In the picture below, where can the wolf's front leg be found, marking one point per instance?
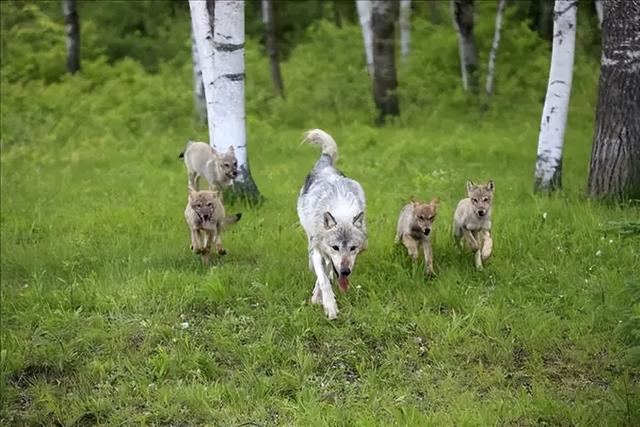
(196, 245)
(471, 239)
(316, 296)
(218, 239)
(487, 245)
(328, 298)
(428, 257)
(411, 245)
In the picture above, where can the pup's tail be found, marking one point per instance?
(181, 156)
(320, 138)
(231, 219)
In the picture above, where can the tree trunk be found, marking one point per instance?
(385, 82)
(337, 18)
(546, 19)
(599, 11)
(269, 20)
(198, 85)
(463, 21)
(614, 171)
(229, 128)
(405, 27)
(548, 175)
(494, 47)
(72, 25)
(364, 15)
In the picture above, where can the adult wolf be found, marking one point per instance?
(331, 211)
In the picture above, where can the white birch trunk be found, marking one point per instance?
(364, 14)
(405, 27)
(556, 105)
(494, 47)
(198, 84)
(599, 11)
(204, 45)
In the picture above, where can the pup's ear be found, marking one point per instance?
(358, 220)
(214, 151)
(192, 192)
(470, 185)
(490, 185)
(329, 220)
(231, 150)
(435, 202)
(413, 200)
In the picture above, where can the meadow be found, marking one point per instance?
(109, 319)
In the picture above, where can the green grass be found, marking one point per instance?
(107, 318)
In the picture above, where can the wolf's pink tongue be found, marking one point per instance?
(343, 283)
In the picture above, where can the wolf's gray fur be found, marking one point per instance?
(202, 160)
(331, 211)
(472, 220)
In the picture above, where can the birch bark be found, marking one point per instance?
(494, 47)
(364, 15)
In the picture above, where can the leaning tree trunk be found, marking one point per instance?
(364, 15)
(548, 175)
(385, 82)
(463, 21)
(599, 11)
(198, 84)
(405, 27)
(494, 47)
(269, 21)
(72, 25)
(229, 128)
(614, 171)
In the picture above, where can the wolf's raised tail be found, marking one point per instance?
(181, 156)
(322, 139)
(231, 219)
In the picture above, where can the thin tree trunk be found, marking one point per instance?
(228, 124)
(405, 27)
(614, 171)
(337, 18)
(364, 15)
(463, 21)
(546, 19)
(385, 82)
(198, 84)
(599, 11)
(269, 21)
(494, 47)
(72, 26)
(548, 175)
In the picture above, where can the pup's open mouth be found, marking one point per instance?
(343, 281)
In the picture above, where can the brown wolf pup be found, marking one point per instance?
(472, 220)
(206, 219)
(414, 230)
(201, 160)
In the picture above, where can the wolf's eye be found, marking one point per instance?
(199, 205)
(352, 248)
(226, 164)
(485, 199)
(209, 204)
(475, 200)
(420, 217)
(335, 248)
(235, 163)
(431, 218)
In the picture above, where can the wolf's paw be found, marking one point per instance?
(316, 297)
(222, 251)
(331, 312)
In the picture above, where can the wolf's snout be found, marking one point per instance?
(427, 231)
(482, 212)
(345, 271)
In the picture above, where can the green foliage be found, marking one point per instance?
(107, 318)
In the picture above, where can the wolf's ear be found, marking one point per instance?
(231, 149)
(413, 200)
(192, 192)
(213, 150)
(470, 185)
(329, 220)
(435, 202)
(490, 185)
(358, 220)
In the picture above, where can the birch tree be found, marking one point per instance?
(269, 21)
(599, 11)
(491, 70)
(405, 27)
(614, 171)
(72, 27)
(198, 84)
(222, 62)
(364, 15)
(385, 81)
(548, 175)
(463, 22)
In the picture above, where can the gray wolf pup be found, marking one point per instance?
(414, 230)
(331, 211)
(472, 220)
(202, 160)
(206, 219)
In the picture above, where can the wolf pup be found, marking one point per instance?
(206, 219)
(202, 160)
(472, 220)
(331, 211)
(414, 230)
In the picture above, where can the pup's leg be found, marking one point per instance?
(316, 296)
(478, 250)
(411, 245)
(196, 245)
(205, 256)
(471, 240)
(328, 298)
(428, 257)
(487, 245)
(219, 249)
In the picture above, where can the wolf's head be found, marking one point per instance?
(204, 204)
(481, 197)
(423, 216)
(342, 242)
(228, 164)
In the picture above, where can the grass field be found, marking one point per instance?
(108, 319)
